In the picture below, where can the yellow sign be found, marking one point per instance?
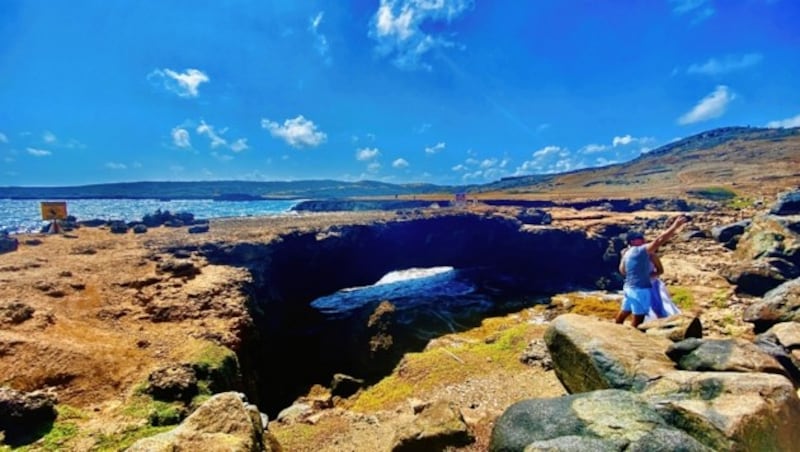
(54, 210)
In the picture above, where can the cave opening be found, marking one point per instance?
(302, 335)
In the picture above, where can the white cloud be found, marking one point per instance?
(320, 40)
(298, 132)
(710, 107)
(785, 123)
(547, 150)
(374, 167)
(208, 130)
(49, 137)
(183, 84)
(622, 141)
(727, 64)
(488, 163)
(116, 166)
(593, 148)
(221, 157)
(39, 152)
(438, 147)
(398, 28)
(180, 138)
(699, 9)
(367, 154)
(400, 163)
(239, 145)
(459, 168)
(3, 138)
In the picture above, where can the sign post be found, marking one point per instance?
(54, 211)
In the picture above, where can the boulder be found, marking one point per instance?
(788, 203)
(198, 229)
(118, 227)
(759, 276)
(769, 237)
(675, 328)
(611, 419)
(590, 354)
(23, 414)
(735, 355)
(174, 382)
(781, 304)
(732, 411)
(438, 426)
(782, 342)
(8, 243)
(725, 233)
(223, 423)
(14, 312)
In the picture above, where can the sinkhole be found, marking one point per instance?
(354, 299)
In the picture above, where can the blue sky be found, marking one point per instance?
(438, 91)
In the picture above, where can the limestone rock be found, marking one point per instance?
(788, 203)
(757, 277)
(22, 413)
(781, 304)
(224, 423)
(8, 243)
(782, 342)
(730, 410)
(436, 427)
(675, 328)
(590, 354)
(735, 355)
(174, 382)
(605, 420)
(725, 233)
(14, 312)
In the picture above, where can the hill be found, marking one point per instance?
(732, 160)
(747, 160)
(223, 190)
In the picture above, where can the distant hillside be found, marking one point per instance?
(747, 160)
(223, 190)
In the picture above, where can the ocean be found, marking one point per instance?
(24, 215)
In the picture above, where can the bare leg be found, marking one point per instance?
(637, 319)
(621, 316)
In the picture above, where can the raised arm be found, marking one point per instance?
(664, 237)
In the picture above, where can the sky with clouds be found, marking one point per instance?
(437, 91)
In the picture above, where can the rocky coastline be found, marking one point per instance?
(108, 339)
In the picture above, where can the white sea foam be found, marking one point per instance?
(407, 284)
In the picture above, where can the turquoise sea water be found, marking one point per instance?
(24, 215)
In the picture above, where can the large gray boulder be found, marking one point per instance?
(590, 354)
(788, 203)
(735, 355)
(781, 304)
(224, 423)
(730, 411)
(675, 328)
(782, 342)
(612, 420)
